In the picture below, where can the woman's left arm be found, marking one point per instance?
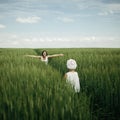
(55, 55)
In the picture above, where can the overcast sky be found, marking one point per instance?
(59, 23)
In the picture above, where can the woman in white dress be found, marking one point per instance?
(44, 56)
(72, 76)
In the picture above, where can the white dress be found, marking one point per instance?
(73, 79)
(44, 60)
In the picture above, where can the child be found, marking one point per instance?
(72, 75)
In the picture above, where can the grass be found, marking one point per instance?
(31, 90)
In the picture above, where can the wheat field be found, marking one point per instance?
(31, 90)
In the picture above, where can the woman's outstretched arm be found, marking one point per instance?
(33, 56)
(55, 55)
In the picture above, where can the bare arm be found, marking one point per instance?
(65, 76)
(33, 56)
(55, 55)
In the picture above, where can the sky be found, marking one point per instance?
(59, 23)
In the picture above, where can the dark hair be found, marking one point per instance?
(43, 52)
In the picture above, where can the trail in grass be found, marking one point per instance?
(53, 66)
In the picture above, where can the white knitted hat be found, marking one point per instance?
(71, 64)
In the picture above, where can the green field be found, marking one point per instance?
(31, 90)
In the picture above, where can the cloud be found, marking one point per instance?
(109, 9)
(28, 19)
(32, 41)
(114, 7)
(2, 26)
(65, 19)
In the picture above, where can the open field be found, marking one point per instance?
(31, 90)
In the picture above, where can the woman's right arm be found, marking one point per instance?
(33, 56)
(65, 76)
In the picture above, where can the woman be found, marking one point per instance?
(44, 56)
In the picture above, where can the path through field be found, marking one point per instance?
(31, 90)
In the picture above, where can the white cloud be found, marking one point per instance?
(28, 19)
(105, 13)
(65, 19)
(90, 38)
(113, 7)
(110, 9)
(2, 26)
(32, 41)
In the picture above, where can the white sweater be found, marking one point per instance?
(73, 79)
